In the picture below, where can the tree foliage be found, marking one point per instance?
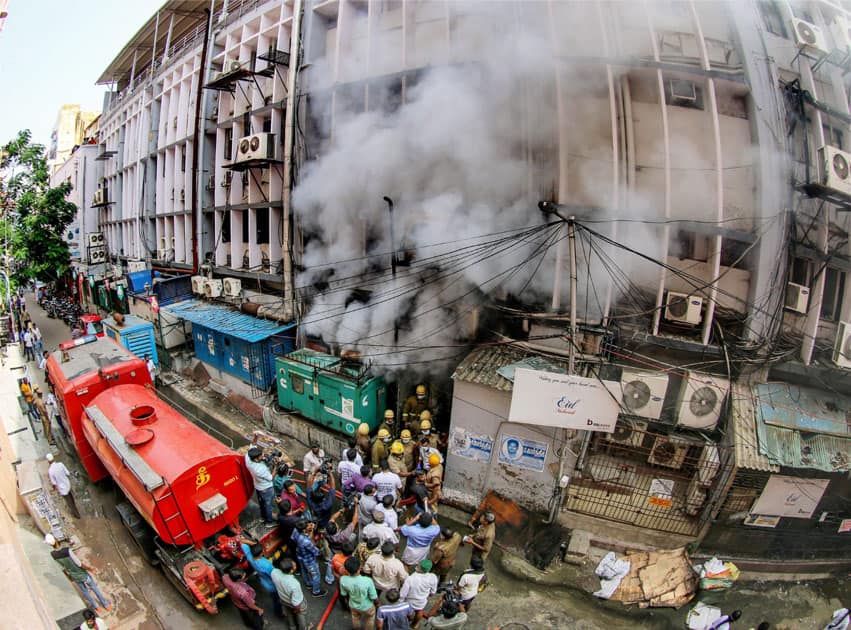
(37, 213)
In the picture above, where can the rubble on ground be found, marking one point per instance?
(657, 579)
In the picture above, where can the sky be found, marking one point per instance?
(53, 51)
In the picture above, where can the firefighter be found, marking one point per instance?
(414, 406)
(362, 441)
(416, 425)
(425, 431)
(409, 455)
(389, 422)
(397, 460)
(379, 448)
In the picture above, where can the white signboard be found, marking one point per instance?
(792, 497)
(559, 400)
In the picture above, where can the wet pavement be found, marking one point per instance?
(145, 600)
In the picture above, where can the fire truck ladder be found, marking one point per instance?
(177, 515)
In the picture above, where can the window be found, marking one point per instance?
(773, 18)
(262, 226)
(683, 93)
(228, 145)
(832, 136)
(834, 289)
(297, 383)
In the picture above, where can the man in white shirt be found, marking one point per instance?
(386, 482)
(60, 478)
(418, 587)
(379, 529)
(352, 443)
(262, 482)
(313, 459)
(29, 345)
(348, 466)
(391, 518)
(91, 620)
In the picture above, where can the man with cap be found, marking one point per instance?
(482, 538)
(262, 482)
(78, 572)
(379, 529)
(409, 448)
(444, 550)
(362, 441)
(41, 409)
(389, 422)
(427, 431)
(418, 587)
(434, 479)
(60, 478)
(313, 458)
(386, 569)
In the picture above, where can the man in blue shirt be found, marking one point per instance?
(307, 553)
(263, 567)
(262, 482)
(420, 530)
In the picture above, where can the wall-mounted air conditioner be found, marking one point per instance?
(232, 287)
(809, 38)
(835, 169)
(797, 297)
(841, 29)
(708, 464)
(212, 288)
(669, 452)
(683, 308)
(701, 400)
(95, 239)
(842, 347)
(198, 284)
(627, 433)
(97, 198)
(643, 394)
(260, 146)
(97, 255)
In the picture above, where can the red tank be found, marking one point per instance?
(186, 484)
(81, 372)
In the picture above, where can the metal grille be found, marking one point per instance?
(646, 479)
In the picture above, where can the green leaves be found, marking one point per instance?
(35, 214)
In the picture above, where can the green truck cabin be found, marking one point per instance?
(331, 391)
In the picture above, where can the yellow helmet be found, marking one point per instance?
(396, 448)
(383, 434)
(433, 459)
(425, 416)
(389, 415)
(405, 435)
(420, 390)
(425, 425)
(363, 429)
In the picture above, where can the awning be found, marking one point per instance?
(226, 320)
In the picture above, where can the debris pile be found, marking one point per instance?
(656, 579)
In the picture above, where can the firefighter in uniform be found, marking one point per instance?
(397, 460)
(379, 448)
(409, 450)
(425, 431)
(414, 406)
(362, 441)
(389, 422)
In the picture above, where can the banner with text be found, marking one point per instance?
(559, 400)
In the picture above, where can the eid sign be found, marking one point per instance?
(561, 400)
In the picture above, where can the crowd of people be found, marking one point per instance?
(378, 542)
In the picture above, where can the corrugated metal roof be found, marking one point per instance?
(481, 365)
(780, 405)
(226, 320)
(745, 436)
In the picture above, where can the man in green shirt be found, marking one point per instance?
(288, 589)
(359, 592)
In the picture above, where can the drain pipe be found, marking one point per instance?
(198, 136)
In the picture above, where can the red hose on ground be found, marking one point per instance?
(328, 610)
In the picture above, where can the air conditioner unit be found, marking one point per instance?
(680, 307)
(643, 394)
(234, 65)
(212, 288)
(708, 465)
(260, 146)
(695, 497)
(232, 287)
(97, 256)
(669, 452)
(809, 38)
(95, 239)
(841, 29)
(135, 265)
(97, 199)
(627, 433)
(797, 297)
(842, 347)
(835, 169)
(701, 400)
(198, 284)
